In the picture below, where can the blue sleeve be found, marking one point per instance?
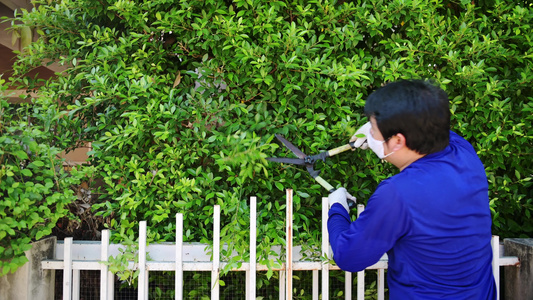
(459, 141)
(360, 244)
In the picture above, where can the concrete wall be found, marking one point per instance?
(31, 282)
(519, 279)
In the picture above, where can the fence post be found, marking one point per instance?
(67, 269)
(289, 245)
(495, 243)
(178, 283)
(75, 284)
(106, 277)
(281, 284)
(348, 285)
(381, 284)
(142, 289)
(215, 272)
(315, 285)
(325, 249)
(360, 274)
(253, 244)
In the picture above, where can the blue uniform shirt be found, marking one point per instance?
(433, 221)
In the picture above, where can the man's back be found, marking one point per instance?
(446, 249)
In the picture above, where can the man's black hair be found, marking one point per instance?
(415, 108)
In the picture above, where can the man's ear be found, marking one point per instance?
(398, 142)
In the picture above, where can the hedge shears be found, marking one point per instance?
(309, 161)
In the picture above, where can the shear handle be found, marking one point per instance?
(311, 159)
(331, 189)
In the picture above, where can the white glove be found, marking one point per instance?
(341, 196)
(360, 142)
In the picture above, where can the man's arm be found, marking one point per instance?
(357, 245)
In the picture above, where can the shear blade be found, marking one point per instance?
(294, 161)
(291, 147)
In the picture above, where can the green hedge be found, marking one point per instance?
(181, 100)
(35, 191)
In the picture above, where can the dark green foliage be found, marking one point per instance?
(181, 100)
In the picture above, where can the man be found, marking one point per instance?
(432, 218)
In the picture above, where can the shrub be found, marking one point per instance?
(35, 191)
(181, 100)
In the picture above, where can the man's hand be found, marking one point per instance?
(341, 196)
(359, 138)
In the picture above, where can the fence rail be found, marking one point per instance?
(72, 257)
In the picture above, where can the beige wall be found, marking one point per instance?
(77, 156)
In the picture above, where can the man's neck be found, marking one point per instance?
(409, 160)
(404, 157)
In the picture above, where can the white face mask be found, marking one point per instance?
(376, 146)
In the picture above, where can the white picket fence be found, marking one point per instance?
(72, 257)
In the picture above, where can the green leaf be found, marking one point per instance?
(21, 154)
(39, 235)
(26, 36)
(302, 194)
(37, 163)
(26, 172)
